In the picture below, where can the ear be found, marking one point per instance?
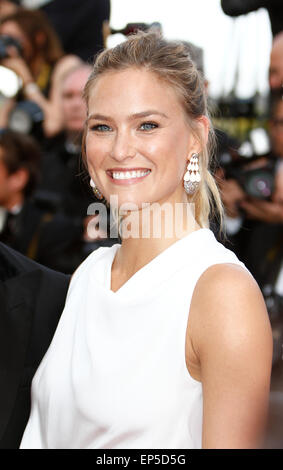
(19, 180)
(201, 134)
(204, 128)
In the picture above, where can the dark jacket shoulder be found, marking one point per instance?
(32, 298)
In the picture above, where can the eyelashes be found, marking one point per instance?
(101, 128)
(149, 126)
(145, 126)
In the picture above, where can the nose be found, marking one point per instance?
(77, 102)
(122, 147)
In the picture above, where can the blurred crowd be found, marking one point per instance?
(251, 182)
(44, 187)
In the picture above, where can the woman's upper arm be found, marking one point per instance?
(233, 341)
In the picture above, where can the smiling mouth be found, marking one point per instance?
(128, 174)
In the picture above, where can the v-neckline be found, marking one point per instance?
(169, 250)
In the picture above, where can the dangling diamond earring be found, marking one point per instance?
(192, 176)
(96, 191)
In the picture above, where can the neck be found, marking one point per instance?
(149, 231)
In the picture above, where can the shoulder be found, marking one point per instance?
(233, 342)
(223, 280)
(96, 259)
(14, 263)
(221, 275)
(229, 310)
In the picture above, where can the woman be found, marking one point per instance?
(164, 341)
(40, 65)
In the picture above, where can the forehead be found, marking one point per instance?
(134, 88)
(76, 79)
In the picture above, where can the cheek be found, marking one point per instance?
(159, 150)
(66, 109)
(95, 153)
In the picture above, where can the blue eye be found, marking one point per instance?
(148, 126)
(101, 128)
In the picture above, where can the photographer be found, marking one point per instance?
(31, 48)
(28, 226)
(61, 175)
(270, 211)
(256, 219)
(276, 64)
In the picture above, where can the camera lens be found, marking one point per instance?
(259, 184)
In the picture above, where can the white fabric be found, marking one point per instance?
(115, 374)
(232, 224)
(3, 215)
(34, 4)
(278, 289)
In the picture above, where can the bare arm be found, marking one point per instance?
(233, 341)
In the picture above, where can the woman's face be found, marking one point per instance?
(11, 28)
(138, 139)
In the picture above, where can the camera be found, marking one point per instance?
(27, 117)
(132, 28)
(6, 42)
(255, 181)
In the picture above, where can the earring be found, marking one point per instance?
(192, 176)
(96, 191)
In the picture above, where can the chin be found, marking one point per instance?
(126, 203)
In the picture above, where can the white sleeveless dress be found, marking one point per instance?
(115, 376)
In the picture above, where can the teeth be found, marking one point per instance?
(123, 175)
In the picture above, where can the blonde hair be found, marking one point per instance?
(171, 62)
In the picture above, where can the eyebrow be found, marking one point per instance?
(143, 114)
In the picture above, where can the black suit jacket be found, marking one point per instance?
(32, 299)
(51, 239)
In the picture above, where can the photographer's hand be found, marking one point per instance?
(5, 110)
(270, 212)
(16, 63)
(52, 123)
(51, 106)
(232, 194)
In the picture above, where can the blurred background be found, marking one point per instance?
(47, 208)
